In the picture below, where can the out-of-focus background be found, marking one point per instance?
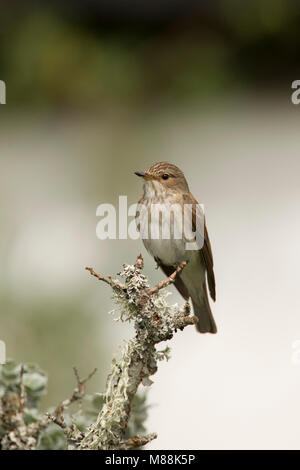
(98, 89)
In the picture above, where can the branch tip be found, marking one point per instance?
(170, 280)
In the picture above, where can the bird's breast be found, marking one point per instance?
(161, 228)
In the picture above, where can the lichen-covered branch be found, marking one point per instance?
(78, 392)
(20, 429)
(23, 427)
(154, 322)
(165, 282)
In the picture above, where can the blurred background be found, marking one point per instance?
(98, 89)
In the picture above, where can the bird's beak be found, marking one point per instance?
(143, 175)
(140, 173)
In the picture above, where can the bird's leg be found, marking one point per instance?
(180, 263)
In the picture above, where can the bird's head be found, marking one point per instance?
(165, 175)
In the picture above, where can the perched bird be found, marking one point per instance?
(165, 187)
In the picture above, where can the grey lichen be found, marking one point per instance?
(22, 426)
(154, 321)
(21, 387)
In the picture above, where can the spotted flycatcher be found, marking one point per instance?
(161, 218)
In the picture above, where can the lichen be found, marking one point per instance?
(153, 321)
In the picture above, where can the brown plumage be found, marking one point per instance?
(165, 184)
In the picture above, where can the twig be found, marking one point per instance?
(23, 395)
(138, 441)
(139, 264)
(54, 419)
(72, 433)
(170, 280)
(114, 283)
(78, 392)
(101, 278)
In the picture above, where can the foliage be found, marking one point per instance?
(215, 51)
(82, 413)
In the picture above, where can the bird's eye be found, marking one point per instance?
(165, 176)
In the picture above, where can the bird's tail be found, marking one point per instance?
(205, 320)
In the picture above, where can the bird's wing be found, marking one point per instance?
(206, 253)
(205, 249)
